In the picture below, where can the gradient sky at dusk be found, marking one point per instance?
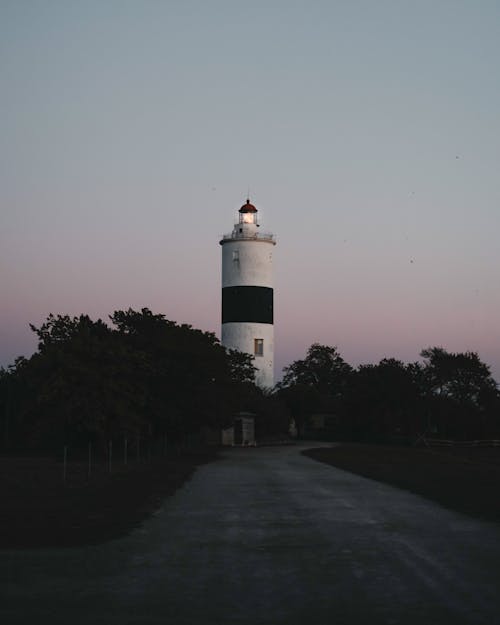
(367, 131)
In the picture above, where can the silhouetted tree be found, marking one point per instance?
(83, 380)
(192, 380)
(382, 401)
(450, 394)
(459, 389)
(317, 383)
(323, 369)
(459, 376)
(147, 375)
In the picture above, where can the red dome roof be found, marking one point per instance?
(248, 208)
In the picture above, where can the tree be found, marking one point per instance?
(459, 376)
(192, 379)
(241, 367)
(315, 384)
(459, 390)
(382, 401)
(147, 375)
(322, 369)
(84, 383)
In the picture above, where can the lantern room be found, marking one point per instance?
(248, 213)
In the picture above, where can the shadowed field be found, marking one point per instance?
(462, 479)
(39, 510)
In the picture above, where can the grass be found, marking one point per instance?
(39, 510)
(465, 480)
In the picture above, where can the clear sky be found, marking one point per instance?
(367, 131)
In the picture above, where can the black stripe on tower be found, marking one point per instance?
(247, 303)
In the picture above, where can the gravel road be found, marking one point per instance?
(269, 536)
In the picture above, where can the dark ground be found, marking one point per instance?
(39, 510)
(267, 536)
(463, 479)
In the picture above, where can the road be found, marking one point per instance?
(267, 536)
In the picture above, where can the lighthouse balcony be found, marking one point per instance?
(248, 236)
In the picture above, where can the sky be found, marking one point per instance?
(366, 132)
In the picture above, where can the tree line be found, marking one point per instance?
(141, 376)
(144, 376)
(447, 395)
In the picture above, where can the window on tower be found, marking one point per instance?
(258, 347)
(248, 218)
(236, 255)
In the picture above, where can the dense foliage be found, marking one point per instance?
(145, 375)
(449, 395)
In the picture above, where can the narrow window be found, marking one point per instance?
(236, 256)
(258, 347)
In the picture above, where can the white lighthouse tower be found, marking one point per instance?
(247, 293)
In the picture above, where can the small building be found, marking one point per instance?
(241, 433)
(227, 436)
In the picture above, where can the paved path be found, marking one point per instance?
(269, 536)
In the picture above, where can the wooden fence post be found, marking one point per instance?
(65, 459)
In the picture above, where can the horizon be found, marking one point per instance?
(108, 321)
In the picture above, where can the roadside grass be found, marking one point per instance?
(39, 510)
(466, 480)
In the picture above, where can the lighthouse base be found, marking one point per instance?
(256, 339)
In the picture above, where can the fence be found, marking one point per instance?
(117, 455)
(437, 442)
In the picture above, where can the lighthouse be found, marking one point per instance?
(247, 293)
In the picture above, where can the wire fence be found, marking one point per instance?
(115, 456)
(438, 442)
